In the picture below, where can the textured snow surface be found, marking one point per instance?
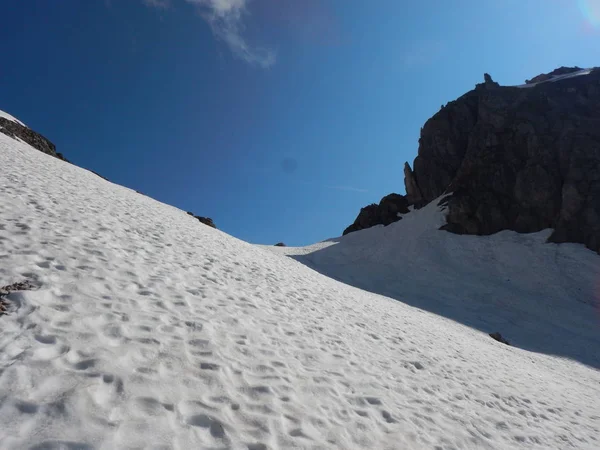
(9, 117)
(542, 297)
(150, 330)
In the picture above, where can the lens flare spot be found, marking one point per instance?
(591, 11)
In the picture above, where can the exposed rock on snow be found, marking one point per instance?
(498, 337)
(5, 290)
(386, 212)
(21, 286)
(205, 220)
(17, 130)
(517, 159)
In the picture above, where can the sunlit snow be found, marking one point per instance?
(150, 330)
(558, 78)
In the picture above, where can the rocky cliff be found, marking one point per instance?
(521, 158)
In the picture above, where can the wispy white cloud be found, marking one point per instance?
(226, 19)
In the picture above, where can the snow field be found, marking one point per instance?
(150, 330)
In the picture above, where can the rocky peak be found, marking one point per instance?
(517, 158)
(488, 82)
(522, 158)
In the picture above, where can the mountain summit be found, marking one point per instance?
(522, 158)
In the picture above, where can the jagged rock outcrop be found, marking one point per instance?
(205, 220)
(489, 82)
(516, 158)
(555, 73)
(17, 131)
(384, 213)
(413, 193)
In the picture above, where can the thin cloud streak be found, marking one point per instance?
(226, 20)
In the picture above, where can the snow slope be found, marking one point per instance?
(543, 297)
(559, 77)
(150, 330)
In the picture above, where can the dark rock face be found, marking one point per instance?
(17, 131)
(488, 81)
(385, 213)
(390, 206)
(413, 193)
(522, 159)
(205, 220)
(280, 244)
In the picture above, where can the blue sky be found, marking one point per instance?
(277, 118)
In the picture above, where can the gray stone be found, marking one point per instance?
(521, 159)
(413, 193)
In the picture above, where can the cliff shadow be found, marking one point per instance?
(542, 297)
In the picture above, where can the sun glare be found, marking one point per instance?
(591, 11)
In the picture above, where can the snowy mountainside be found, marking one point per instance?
(543, 297)
(7, 116)
(150, 330)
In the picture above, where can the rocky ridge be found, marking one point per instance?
(18, 131)
(14, 129)
(520, 158)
